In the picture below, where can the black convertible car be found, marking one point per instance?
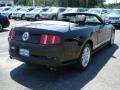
(55, 43)
(4, 22)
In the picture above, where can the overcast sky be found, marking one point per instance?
(112, 1)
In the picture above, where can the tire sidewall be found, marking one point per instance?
(37, 17)
(10, 16)
(80, 58)
(23, 17)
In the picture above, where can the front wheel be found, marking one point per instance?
(85, 57)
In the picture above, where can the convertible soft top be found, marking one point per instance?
(85, 13)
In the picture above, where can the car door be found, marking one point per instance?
(99, 30)
(101, 34)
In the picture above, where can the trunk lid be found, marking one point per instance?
(37, 29)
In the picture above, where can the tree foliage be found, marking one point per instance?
(114, 5)
(65, 3)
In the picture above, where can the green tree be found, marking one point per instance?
(64, 3)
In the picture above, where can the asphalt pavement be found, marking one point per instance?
(103, 72)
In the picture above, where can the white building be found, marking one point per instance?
(6, 2)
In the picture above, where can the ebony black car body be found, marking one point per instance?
(56, 43)
(4, 22)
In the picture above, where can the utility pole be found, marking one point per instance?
(44, 2)
(67, 3)
(86, 4)
(33, 2)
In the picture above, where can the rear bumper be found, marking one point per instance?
(45, 61)
(49, 56)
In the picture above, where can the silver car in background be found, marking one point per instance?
(73, 10)
(21, 13)
(2, 9)
(52, 13)
(9, 12)
(99, 11)
(35, 13)
(114, 17)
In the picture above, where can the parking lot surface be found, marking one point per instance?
(102, 74)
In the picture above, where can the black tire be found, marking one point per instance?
(83, 64)
(23, 17)
(112, 39)
(37, 18)
(10, 16)
(54, 18)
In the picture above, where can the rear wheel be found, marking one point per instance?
(37, 18)
(85, 57)
(10, 16)
(23, 17)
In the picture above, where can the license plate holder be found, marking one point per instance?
(24, 52)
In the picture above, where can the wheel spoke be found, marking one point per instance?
(85, 56)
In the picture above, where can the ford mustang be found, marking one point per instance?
(71, 40)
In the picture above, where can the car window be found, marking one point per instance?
(80, 10)
(18, 9)
(89, 19)
(62, 10)
(23, 9)
(97, 11)
(115, 12)
(53, 9)
(6, 9)
(30, 9)
(92, 19)
(73, 10)
(104, 11)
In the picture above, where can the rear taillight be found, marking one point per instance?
(50, 39)
(12, 34)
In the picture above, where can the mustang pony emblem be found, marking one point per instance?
(25, 36)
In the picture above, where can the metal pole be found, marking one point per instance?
(33, 2)
(86, 3)
(44, 2)
(67, 3)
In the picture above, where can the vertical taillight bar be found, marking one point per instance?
(50, 39)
